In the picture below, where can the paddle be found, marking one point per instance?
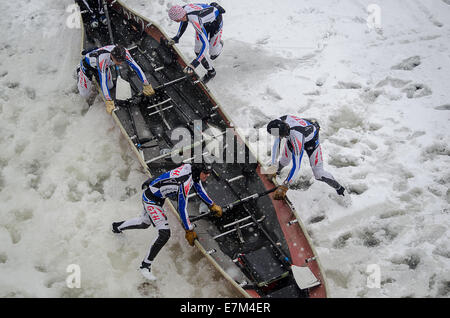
(234, 204)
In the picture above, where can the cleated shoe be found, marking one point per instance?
(146, 271)
(115, 227)
(209, 76)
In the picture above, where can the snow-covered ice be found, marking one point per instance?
(380, 93)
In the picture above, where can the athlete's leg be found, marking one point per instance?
(84, 85)
(159, 220)
(316, 162)
(141, 222)
(206, 62)
(216, 45)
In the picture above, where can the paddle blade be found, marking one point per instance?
(123, 89)
(304, 277)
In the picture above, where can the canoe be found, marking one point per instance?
(259, 245)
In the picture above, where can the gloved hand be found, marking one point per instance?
(188, 69)
(110, 106)
(148, 90)
(173, 40)
(216, 209)
(280, 193)
(191, 236)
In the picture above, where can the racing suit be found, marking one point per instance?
(304, 135)
(174, 184)
(208, 22)
(98, 63)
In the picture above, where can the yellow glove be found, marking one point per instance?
(191, 236)
(280, 193)
(110, 106)
(216, 209)
(148, 90)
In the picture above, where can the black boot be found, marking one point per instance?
(209, 76)
(340, 191)
(115, 227)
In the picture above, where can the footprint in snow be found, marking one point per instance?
(148, 288)
(443, 107)
(408, 64)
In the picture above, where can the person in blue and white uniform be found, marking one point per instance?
(208, 23)
(301, 134)
(98, 63)
(174, 184)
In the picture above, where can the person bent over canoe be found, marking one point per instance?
(98, 63)
(301, 134)
(207, 22)
(174, 184)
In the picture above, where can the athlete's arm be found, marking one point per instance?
(182, 204)
(102, 75)
(201, 192)
(132, 63)
(276, 150)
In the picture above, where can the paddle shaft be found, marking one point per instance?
(111, 37)
(234, 204)
(105, 8)
(251, 197)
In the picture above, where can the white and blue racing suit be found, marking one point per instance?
(175, 184)
(304, 135)
(99, 61)
(207, 22)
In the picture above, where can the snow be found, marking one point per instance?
(381, 97)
